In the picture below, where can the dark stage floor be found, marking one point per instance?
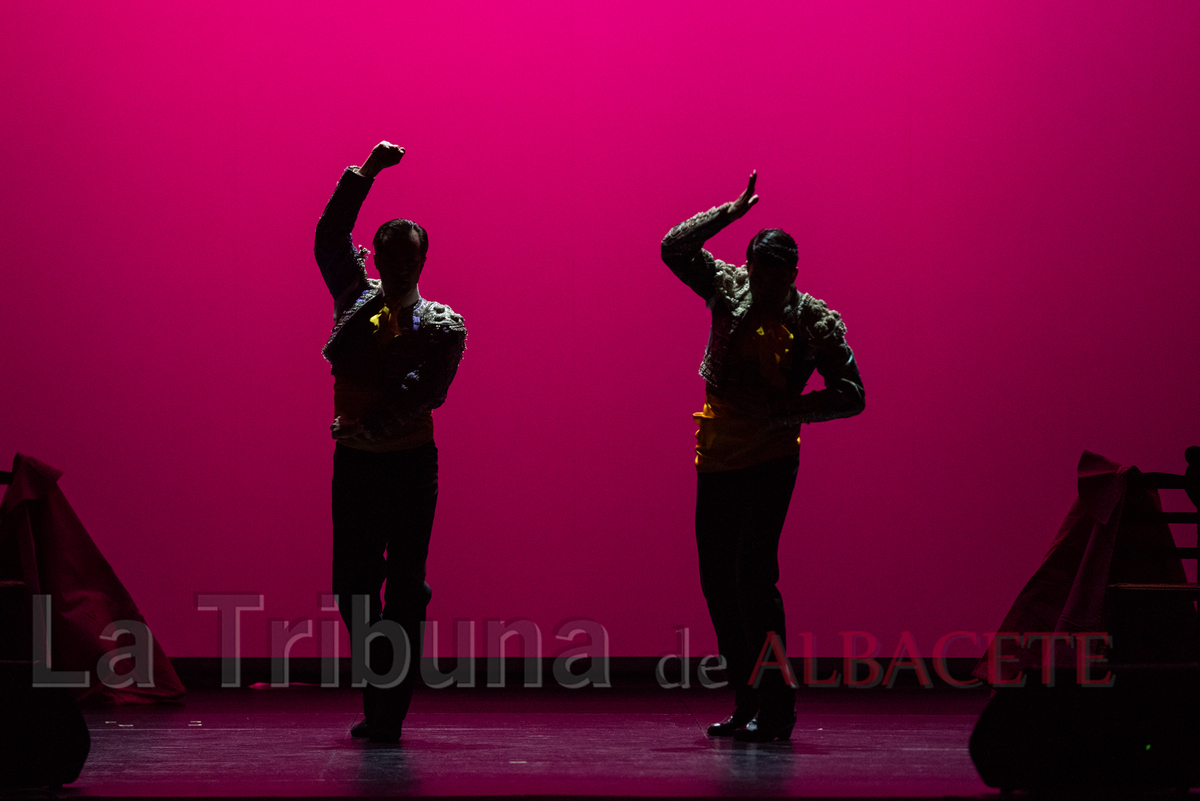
(520, 742)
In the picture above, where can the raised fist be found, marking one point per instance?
(385, 154)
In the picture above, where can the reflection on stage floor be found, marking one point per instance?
(640, 742)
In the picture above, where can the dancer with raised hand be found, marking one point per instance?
(393, 355)
(767, 339)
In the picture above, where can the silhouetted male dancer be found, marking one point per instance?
(394, 355)
(766, 339)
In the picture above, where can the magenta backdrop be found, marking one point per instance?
(1002, 199)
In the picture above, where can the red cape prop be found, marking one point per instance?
(57, 557)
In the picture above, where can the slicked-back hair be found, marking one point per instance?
(773, 246)
(393, 229)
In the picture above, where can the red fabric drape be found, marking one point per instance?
(55, 556)
(1105, 539)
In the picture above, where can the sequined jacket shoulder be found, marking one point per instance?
(821, 334)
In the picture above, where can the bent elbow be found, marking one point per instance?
(851, 401)
(667, 254)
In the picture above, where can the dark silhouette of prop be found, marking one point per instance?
(1138, 595)
(44, 544)
(1113, 570)
(43, 738)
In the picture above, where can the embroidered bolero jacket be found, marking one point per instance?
(820, 335)
(415, 369)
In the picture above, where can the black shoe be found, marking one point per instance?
(766, 730)
(384, 734)
(375, 734)
(740, 717)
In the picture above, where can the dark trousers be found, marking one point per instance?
(739, 517)
(383, 506)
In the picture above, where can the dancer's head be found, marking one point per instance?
(400, 248)
(771, 259)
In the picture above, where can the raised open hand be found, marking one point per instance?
(747, 199)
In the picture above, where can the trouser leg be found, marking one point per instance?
(719, 504)
(360, 522)
(739, 518)
(383, 510)
(406, 594)
(760, 602)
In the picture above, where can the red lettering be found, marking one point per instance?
(939, 658)
(1083, 658)
(775, 646)
(909, 647)
(810, 665)
(851, 659)
(995, 659)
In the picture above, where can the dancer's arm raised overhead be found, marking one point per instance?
(683, 246)
(343, 266)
